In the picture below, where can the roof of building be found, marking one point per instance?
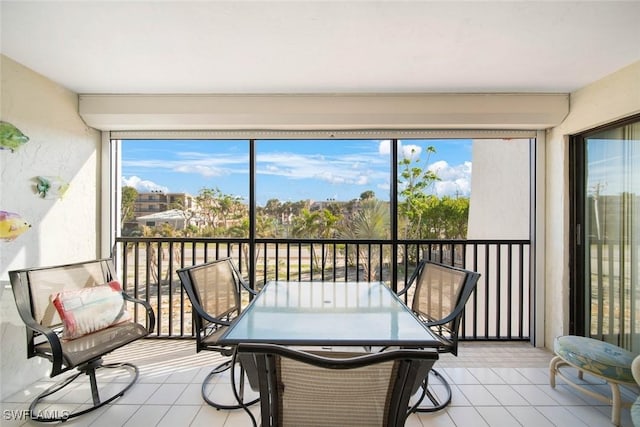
(171, 214)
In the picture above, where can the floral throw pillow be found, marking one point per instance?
(90, 309)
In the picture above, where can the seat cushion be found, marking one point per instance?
(596, 357)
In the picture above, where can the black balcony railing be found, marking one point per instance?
(499, 308)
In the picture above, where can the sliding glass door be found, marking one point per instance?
(606, 275)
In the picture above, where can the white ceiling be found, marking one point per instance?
(321, 46)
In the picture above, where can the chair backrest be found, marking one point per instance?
(299, 388)
(440, 295)
(213, 287)
(214, 291)
(34, 288)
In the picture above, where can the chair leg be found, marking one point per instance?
(437, 403)
(224, 366)
(53, 415)
(616, 403)
(95, 394)
(239, 394)
(553, 368)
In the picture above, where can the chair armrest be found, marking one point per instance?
(54, 341)
(242, 282)
(151, 317)
(246, 287)
(23, 305)
(445, 320)
(412, 278)
(405, 289)
(210, 319)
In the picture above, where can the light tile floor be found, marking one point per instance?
(494, 384)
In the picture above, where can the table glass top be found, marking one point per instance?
(328, 313)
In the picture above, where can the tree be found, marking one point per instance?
(188, 214)
(307, 224)
(228, 207)
(366, 195)
(272, 208)
(208, 206)
(321, 224)
(447, 218)
(370, 222)
(128, 204)
(219, 211)
(423, 215)
(415, 183)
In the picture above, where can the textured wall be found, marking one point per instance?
(62, 230)
(499, 206)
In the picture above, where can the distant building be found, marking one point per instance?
(156, 208)
(157, 201)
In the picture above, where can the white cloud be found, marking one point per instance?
(384, 186)
(384, 148)
(339, 170)
(454, 180)
(362, 180)
(204, 170)
(329, 177)
(142, 185)
(191, 163)
(410, 151)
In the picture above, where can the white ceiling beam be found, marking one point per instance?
(323, 112)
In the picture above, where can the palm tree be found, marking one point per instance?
(370, 222)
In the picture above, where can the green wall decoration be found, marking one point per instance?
(11, 138)
(51, 187)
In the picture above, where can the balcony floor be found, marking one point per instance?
(494, 384)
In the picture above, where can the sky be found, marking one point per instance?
(289, 170)
(612, 166)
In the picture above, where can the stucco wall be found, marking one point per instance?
(499, 206)
(62, 230)
(612, 98)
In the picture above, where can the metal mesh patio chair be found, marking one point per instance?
(303, 388)
(215, 291)
(75, 314)
(440, 293)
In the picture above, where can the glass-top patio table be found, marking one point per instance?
(328, 314)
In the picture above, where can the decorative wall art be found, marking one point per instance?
(11, 138)
(51, 187)
(11, 226)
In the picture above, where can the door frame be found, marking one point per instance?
(577, 182)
